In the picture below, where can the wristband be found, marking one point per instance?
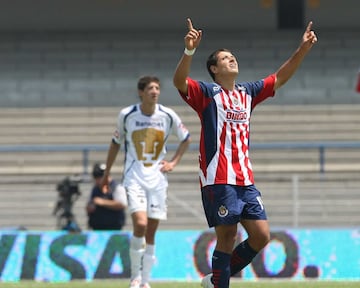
(189, 52)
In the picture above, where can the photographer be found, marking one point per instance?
(106, 211)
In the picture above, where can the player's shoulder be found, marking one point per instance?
(209, 88)
(257, 84)
(250, 87)
(168, 111)
(129, 109)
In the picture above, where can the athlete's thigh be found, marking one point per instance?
(137, 200)
(157, 203)
(221, 204)
(254, 208)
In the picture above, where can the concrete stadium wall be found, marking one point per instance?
(165, 14)
(90, 52)
(57, 69)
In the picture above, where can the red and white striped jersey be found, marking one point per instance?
(225, 128)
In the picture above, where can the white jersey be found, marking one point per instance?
(145, 139)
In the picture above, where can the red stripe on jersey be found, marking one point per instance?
(222, 167)
(244, 99)
(235, 155)
(223, 95)
(245, 148)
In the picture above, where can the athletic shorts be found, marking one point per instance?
(153, 201)
(228, 204)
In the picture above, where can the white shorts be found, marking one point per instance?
(153, 201)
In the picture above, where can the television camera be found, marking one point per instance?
(68, 192)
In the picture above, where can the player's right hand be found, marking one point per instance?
(193, 37)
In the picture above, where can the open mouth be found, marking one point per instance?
(233, 66)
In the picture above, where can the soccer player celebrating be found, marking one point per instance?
(145, 128)
(228, 192)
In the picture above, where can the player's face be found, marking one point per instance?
(151, 93)
(226, 64)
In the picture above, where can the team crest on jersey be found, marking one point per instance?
(223, 211)
(235, 101)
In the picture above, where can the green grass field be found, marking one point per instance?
(235, 284)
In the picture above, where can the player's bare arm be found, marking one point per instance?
(168, 166)
(192, 40)
(286, 70)
(111, 156)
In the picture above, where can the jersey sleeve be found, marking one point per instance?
(119, 131)
(197, 96)
(179, 129)
(262, 89)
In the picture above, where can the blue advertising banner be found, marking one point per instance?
(181, 255)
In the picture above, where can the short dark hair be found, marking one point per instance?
(212, 60)
(146, 80)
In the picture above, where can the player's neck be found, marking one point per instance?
(228, 84)
(147, 109)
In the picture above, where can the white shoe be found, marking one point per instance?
(146, 285)
(135, 283)
(206, 281)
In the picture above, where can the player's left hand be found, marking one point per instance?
(309, 37)
(166, 166)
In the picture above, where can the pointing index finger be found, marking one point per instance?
(308, 28)
(189, 24)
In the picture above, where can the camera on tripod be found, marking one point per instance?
(68, 192)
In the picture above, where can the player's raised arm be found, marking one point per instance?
(286, 70)
(192, 40)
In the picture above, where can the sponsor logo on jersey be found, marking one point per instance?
(216, 88)
(236, 115)
(223, 211)
(149, 124)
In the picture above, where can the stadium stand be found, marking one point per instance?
(28, 185)
(54, 87)
(70, 69)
